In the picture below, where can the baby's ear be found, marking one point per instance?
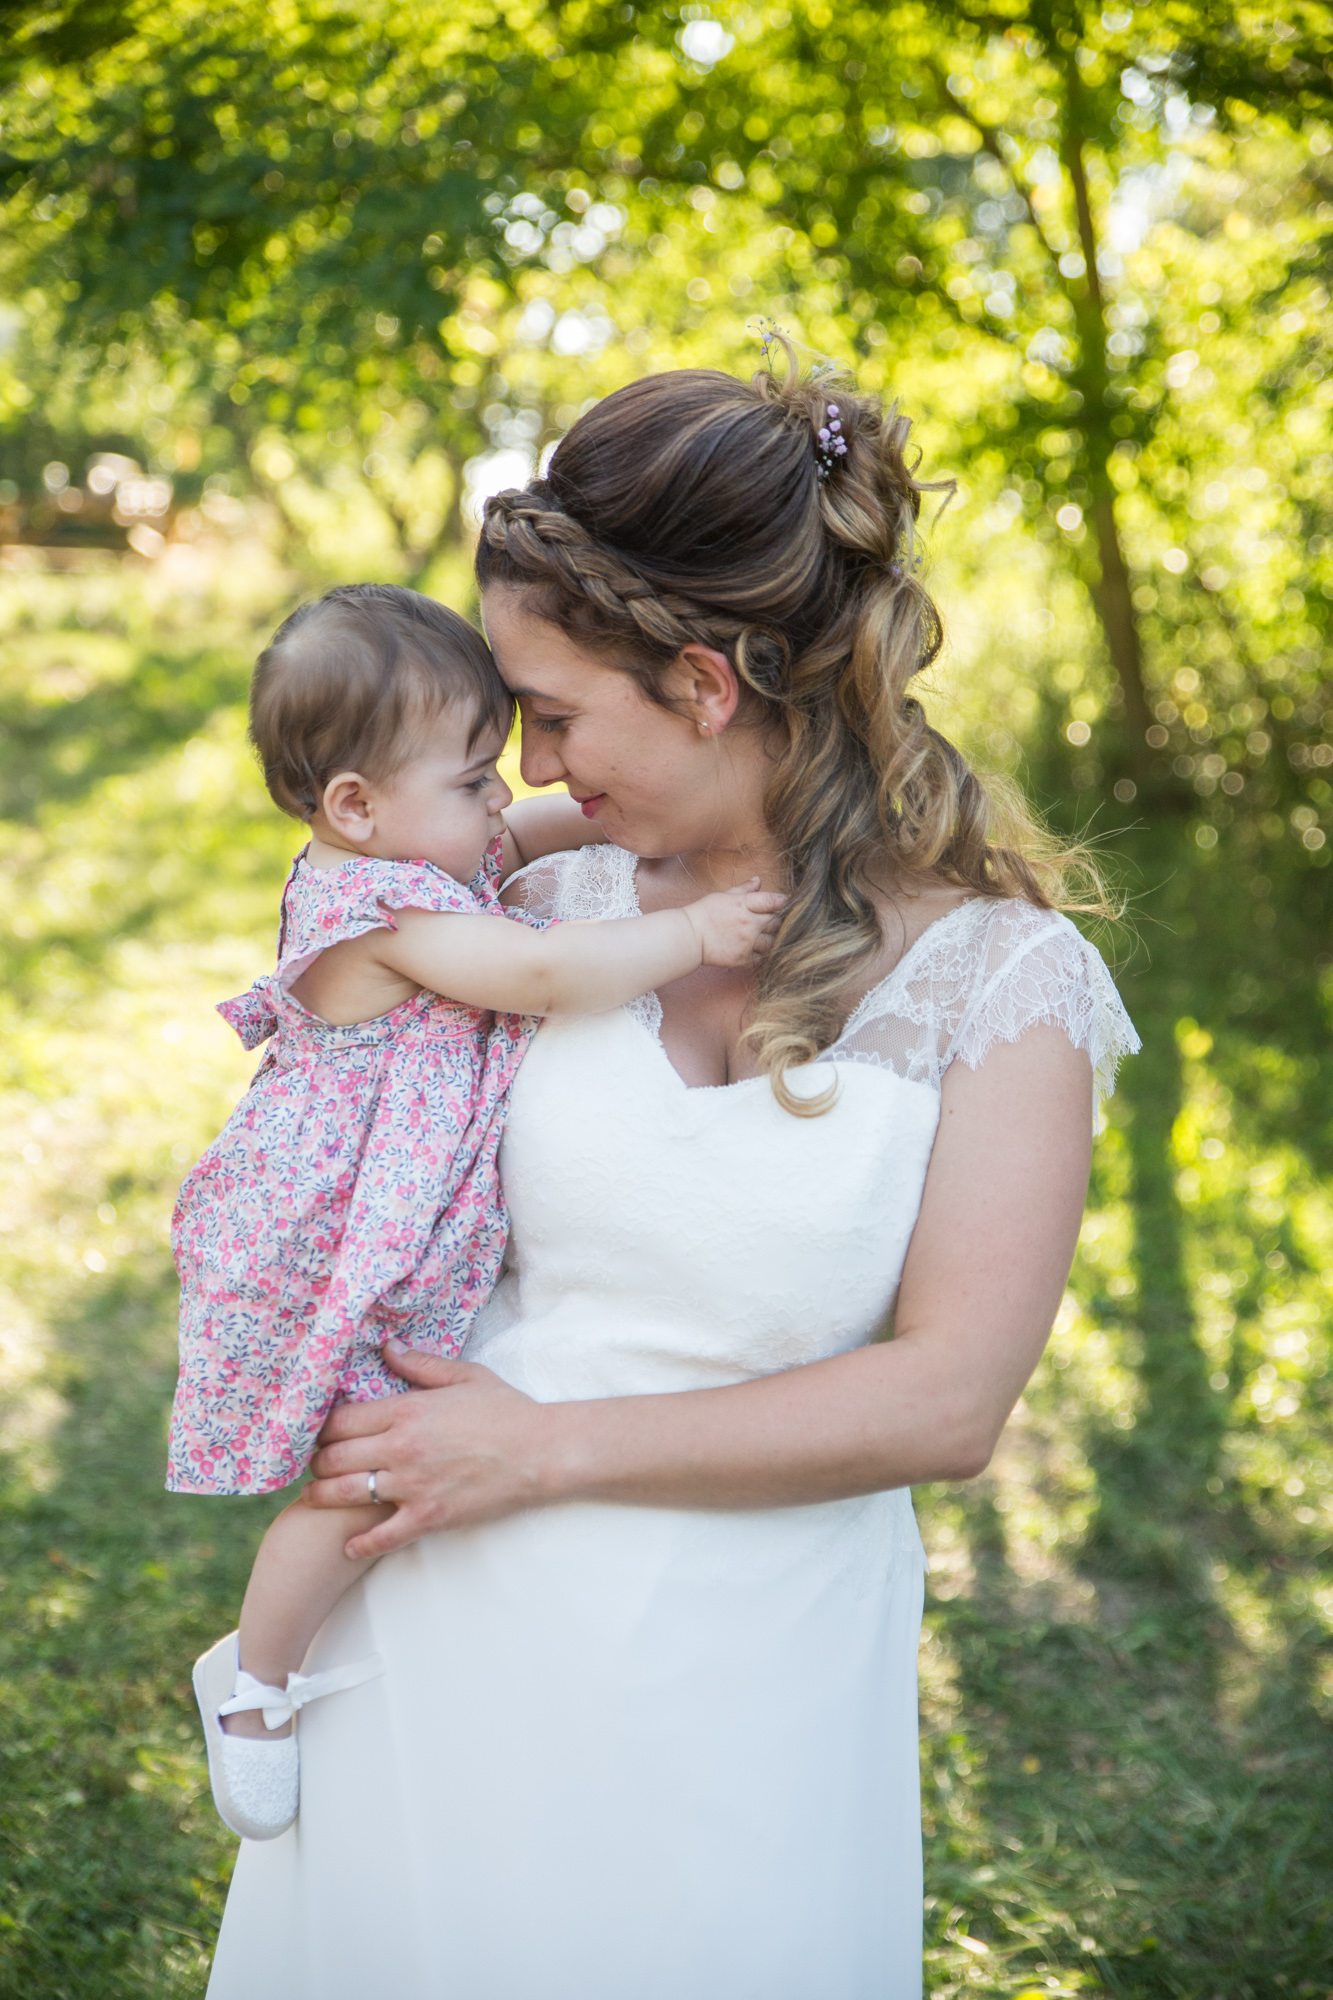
(348, 806)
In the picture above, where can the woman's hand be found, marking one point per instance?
(464, 1448)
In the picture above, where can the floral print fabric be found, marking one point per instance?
(352, 1195)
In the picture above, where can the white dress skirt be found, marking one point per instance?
(626, 1753)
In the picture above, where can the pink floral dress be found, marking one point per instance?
(352, 1195)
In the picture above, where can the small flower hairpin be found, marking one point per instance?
(769, 330)
(832, 444)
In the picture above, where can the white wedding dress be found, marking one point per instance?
(627, 1753)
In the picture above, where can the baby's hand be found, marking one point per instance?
(736, 924)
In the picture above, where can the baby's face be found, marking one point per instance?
(444, 805)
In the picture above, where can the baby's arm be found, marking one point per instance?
(577, 968)
(545, 825)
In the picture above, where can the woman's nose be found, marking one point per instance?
(539, 762)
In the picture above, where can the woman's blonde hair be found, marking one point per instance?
(693, 508)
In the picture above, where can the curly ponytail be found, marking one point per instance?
(690, 507)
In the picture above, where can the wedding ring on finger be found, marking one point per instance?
(373, 1490)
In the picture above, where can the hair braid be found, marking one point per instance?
(691, 508)
(539, 545)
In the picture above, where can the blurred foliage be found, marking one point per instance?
(287, 244)
(283, 291)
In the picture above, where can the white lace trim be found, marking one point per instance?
(984, 974)
(590, 882)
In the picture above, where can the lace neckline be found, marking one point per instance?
(984, 972)
(647, 1013)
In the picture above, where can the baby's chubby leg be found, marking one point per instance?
(299, 1574)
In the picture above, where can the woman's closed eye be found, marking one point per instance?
(549, 723)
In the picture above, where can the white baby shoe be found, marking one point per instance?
(257, 1785)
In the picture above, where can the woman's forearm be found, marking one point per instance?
(472, 1449)
(878, 1417)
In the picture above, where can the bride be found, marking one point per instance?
(650, 1602)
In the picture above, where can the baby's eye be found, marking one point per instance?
(481, 784)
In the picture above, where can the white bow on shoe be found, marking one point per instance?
(257, 1785)
(281, 1705)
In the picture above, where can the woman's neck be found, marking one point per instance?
(726, 866)
(735, 853)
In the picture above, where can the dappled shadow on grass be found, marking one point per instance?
(114, 1862)
(53, 753)
(1128, 1745)
(132, 811)
(1145, 1799)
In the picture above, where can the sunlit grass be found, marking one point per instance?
(1128, 1674)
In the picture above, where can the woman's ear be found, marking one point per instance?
(349, 807)
(709, 690)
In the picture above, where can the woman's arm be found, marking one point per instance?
(577, 968)
(982, 1282)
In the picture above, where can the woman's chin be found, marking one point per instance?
(623, 827)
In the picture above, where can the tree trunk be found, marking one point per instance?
(1115, 608)
(451, 528)
(1111, 594)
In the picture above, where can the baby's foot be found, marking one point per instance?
(262, 1785)
(256, 1780)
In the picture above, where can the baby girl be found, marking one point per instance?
(353, 1195)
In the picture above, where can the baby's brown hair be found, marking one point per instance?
(346, 680)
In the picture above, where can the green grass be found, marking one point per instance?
(1128, 1675)
(1129, 1680)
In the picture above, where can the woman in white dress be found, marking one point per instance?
(649, 1606)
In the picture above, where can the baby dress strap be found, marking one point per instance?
(325, 906)
(488, 878)
(252, 1014)
(368, 892)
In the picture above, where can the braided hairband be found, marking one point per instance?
(661, 616)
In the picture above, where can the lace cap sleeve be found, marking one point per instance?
(579, 882)
(1037, 968)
